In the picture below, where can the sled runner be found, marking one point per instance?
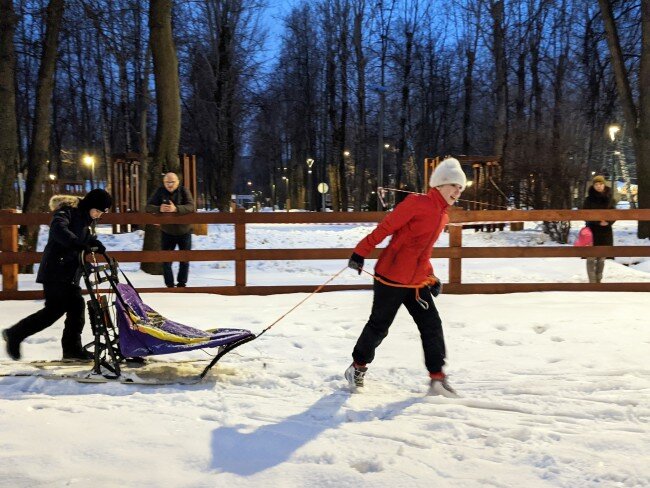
(126, 329)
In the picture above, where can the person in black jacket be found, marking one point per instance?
(599, 196)
(173, 198)
(60, 273)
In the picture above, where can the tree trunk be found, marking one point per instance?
(344, 52)
(168, 104)
(360, 134)
(38, 154)
(637, 119)
(406, 81)
(39, 147)
(501, 82)
(643, 133)
(8, 123)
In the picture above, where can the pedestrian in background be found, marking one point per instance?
(173, 198)
(599, 196)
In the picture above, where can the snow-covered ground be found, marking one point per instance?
(555, 386)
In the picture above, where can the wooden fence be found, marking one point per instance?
(10, 258)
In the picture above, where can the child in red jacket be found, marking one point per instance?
(404, 275)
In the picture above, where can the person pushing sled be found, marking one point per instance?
(404, 275)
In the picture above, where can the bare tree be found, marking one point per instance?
(168, 127)
(360, 135)
(40, 143)
(168, 102)
(8, 126)
(637, 115)
(497, 14)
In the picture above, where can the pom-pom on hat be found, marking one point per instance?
(98, 199)
(448, 172)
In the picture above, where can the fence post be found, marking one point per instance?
(240, 245)
(9, 242)
(455, 264)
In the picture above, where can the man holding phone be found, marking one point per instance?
(173, 198)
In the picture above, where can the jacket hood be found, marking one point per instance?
(58, 201)
(596, 196)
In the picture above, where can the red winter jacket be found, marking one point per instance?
(415, 225)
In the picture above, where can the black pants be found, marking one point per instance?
(60, 299)
(386, 302)
(169, 242)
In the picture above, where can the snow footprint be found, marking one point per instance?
(540, 329)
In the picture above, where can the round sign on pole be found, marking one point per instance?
(322, 188)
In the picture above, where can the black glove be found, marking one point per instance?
(436, 288)
(356, 262)
(95, 245)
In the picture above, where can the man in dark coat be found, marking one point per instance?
(173, 198)
(599, 196)
(60, 273)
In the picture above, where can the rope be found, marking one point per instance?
(431, 280)
(319, 288)
(460, 199)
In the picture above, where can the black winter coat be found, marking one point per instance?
(69, 233)
(595, 200)
(184, 202)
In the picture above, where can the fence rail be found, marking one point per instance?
(10, 258)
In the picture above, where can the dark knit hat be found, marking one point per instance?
(598, 179)
(98, 199)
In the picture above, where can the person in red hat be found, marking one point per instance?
(404, 275)
(60, 273)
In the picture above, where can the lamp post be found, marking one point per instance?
(310, 163)
(287, 203)
(89, 161)
(613, 130)
(381, 91)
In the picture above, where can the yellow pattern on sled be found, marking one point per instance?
(138, 324)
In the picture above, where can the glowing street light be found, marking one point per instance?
(346, 153)
(613, 130)
(310, 163)
(89, 161)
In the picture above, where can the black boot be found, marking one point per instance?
(79, 355)
(74, 350)
(12, 344)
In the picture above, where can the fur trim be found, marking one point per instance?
(58, 201)
(600, 197)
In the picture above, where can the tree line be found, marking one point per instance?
(353, 93)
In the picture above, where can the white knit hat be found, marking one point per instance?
(448, 172)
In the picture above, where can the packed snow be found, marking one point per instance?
(555, 387)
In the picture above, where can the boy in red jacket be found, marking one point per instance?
(404, 275)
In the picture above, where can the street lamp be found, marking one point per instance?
(613, 130)
(287, 203)
(310, 163)
(381, 91)
(89, 161)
